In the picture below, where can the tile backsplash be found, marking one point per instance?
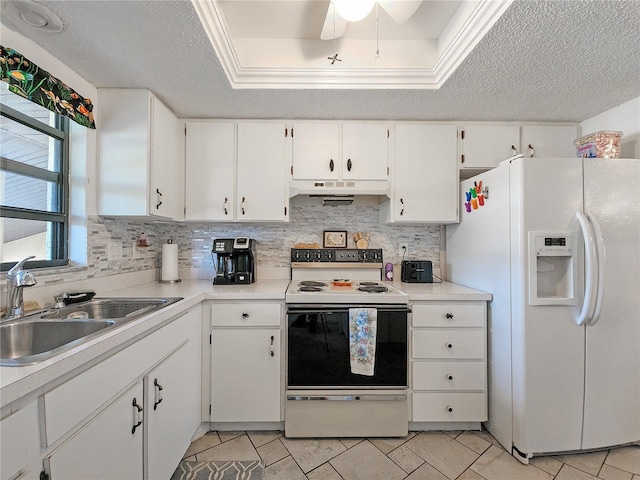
(274, 241)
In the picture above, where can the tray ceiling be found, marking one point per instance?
(278, 44)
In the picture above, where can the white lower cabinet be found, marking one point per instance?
(132, 415)
(109, 447)
(448, 360)
(246, 380)
(20, 453)
(172, 410)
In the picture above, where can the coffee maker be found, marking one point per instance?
(234, 260)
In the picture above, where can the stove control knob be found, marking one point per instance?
(307, 255)
(318, 255)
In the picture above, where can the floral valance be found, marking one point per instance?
(33, 83)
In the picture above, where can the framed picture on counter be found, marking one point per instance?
(334, 239)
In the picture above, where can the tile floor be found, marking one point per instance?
(468, 455)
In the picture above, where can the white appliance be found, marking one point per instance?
(325, 398)
(556, 241)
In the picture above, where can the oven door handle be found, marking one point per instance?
(333, 309)
(365, 397)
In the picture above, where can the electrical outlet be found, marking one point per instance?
(114, 251)
(403, 250)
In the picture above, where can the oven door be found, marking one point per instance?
(318, 353)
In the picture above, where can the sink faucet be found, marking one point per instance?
(17, 280)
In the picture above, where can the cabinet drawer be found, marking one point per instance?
(448, 343)
(449, 375)
(468, 314)
(245, 314)
(449, 407)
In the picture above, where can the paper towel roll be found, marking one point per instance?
(169, 262)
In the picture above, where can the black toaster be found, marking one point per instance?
(416, 271)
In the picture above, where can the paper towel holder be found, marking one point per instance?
(177, 280)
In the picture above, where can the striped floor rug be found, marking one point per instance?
(236, 470)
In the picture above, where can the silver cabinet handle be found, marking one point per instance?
(138, 415)
(331, 164)
(271, 347)
(532, 151)
(449, 345)
(449, 316)
(225, 205)
(245, 315)
(349, 164)
(514, 150)
(159, 199)
(402, 209)
(449, 377)
(450, 409)
(242, 205)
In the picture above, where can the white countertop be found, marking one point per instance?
(15, 382)
(444, 291)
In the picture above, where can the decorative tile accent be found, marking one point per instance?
(274, 241)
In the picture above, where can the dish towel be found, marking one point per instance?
(363, 324)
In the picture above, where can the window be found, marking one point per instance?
(34, 164)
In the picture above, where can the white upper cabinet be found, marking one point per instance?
(236, 172)
(261, 189)
(334, 151)
(210, 171)
(140, 156)
(485, 146)
(364, 151)
(316, 151)
(549, 140)
(425, 187)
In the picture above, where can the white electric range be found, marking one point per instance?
(326, 284)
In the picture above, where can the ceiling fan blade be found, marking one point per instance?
(400, 10)
(328, 27)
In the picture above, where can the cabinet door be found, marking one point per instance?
(485, 146)
(166, 195)
(20, 452)
(210, 171)
(546, 141)
(106, 448)
(364, 151)
(426, 174)
(172, 401)
(316, 151)
(123, 152)
(261, 185)
(245, 376)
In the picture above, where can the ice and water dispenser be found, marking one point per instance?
(552, 267)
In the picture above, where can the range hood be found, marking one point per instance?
(339, 188)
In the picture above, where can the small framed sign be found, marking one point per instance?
(334, 239)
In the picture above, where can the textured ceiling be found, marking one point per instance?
(557, 60)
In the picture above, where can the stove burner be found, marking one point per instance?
(373, 289)
(309, 289)
(311, 283)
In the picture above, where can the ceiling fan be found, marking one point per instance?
(339, 14)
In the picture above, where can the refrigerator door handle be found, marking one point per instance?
(601, 259)
(591, 270)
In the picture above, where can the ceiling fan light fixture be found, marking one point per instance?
(353, 10)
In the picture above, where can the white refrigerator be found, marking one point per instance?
(556, 241)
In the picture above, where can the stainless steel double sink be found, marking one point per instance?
(37, 337)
